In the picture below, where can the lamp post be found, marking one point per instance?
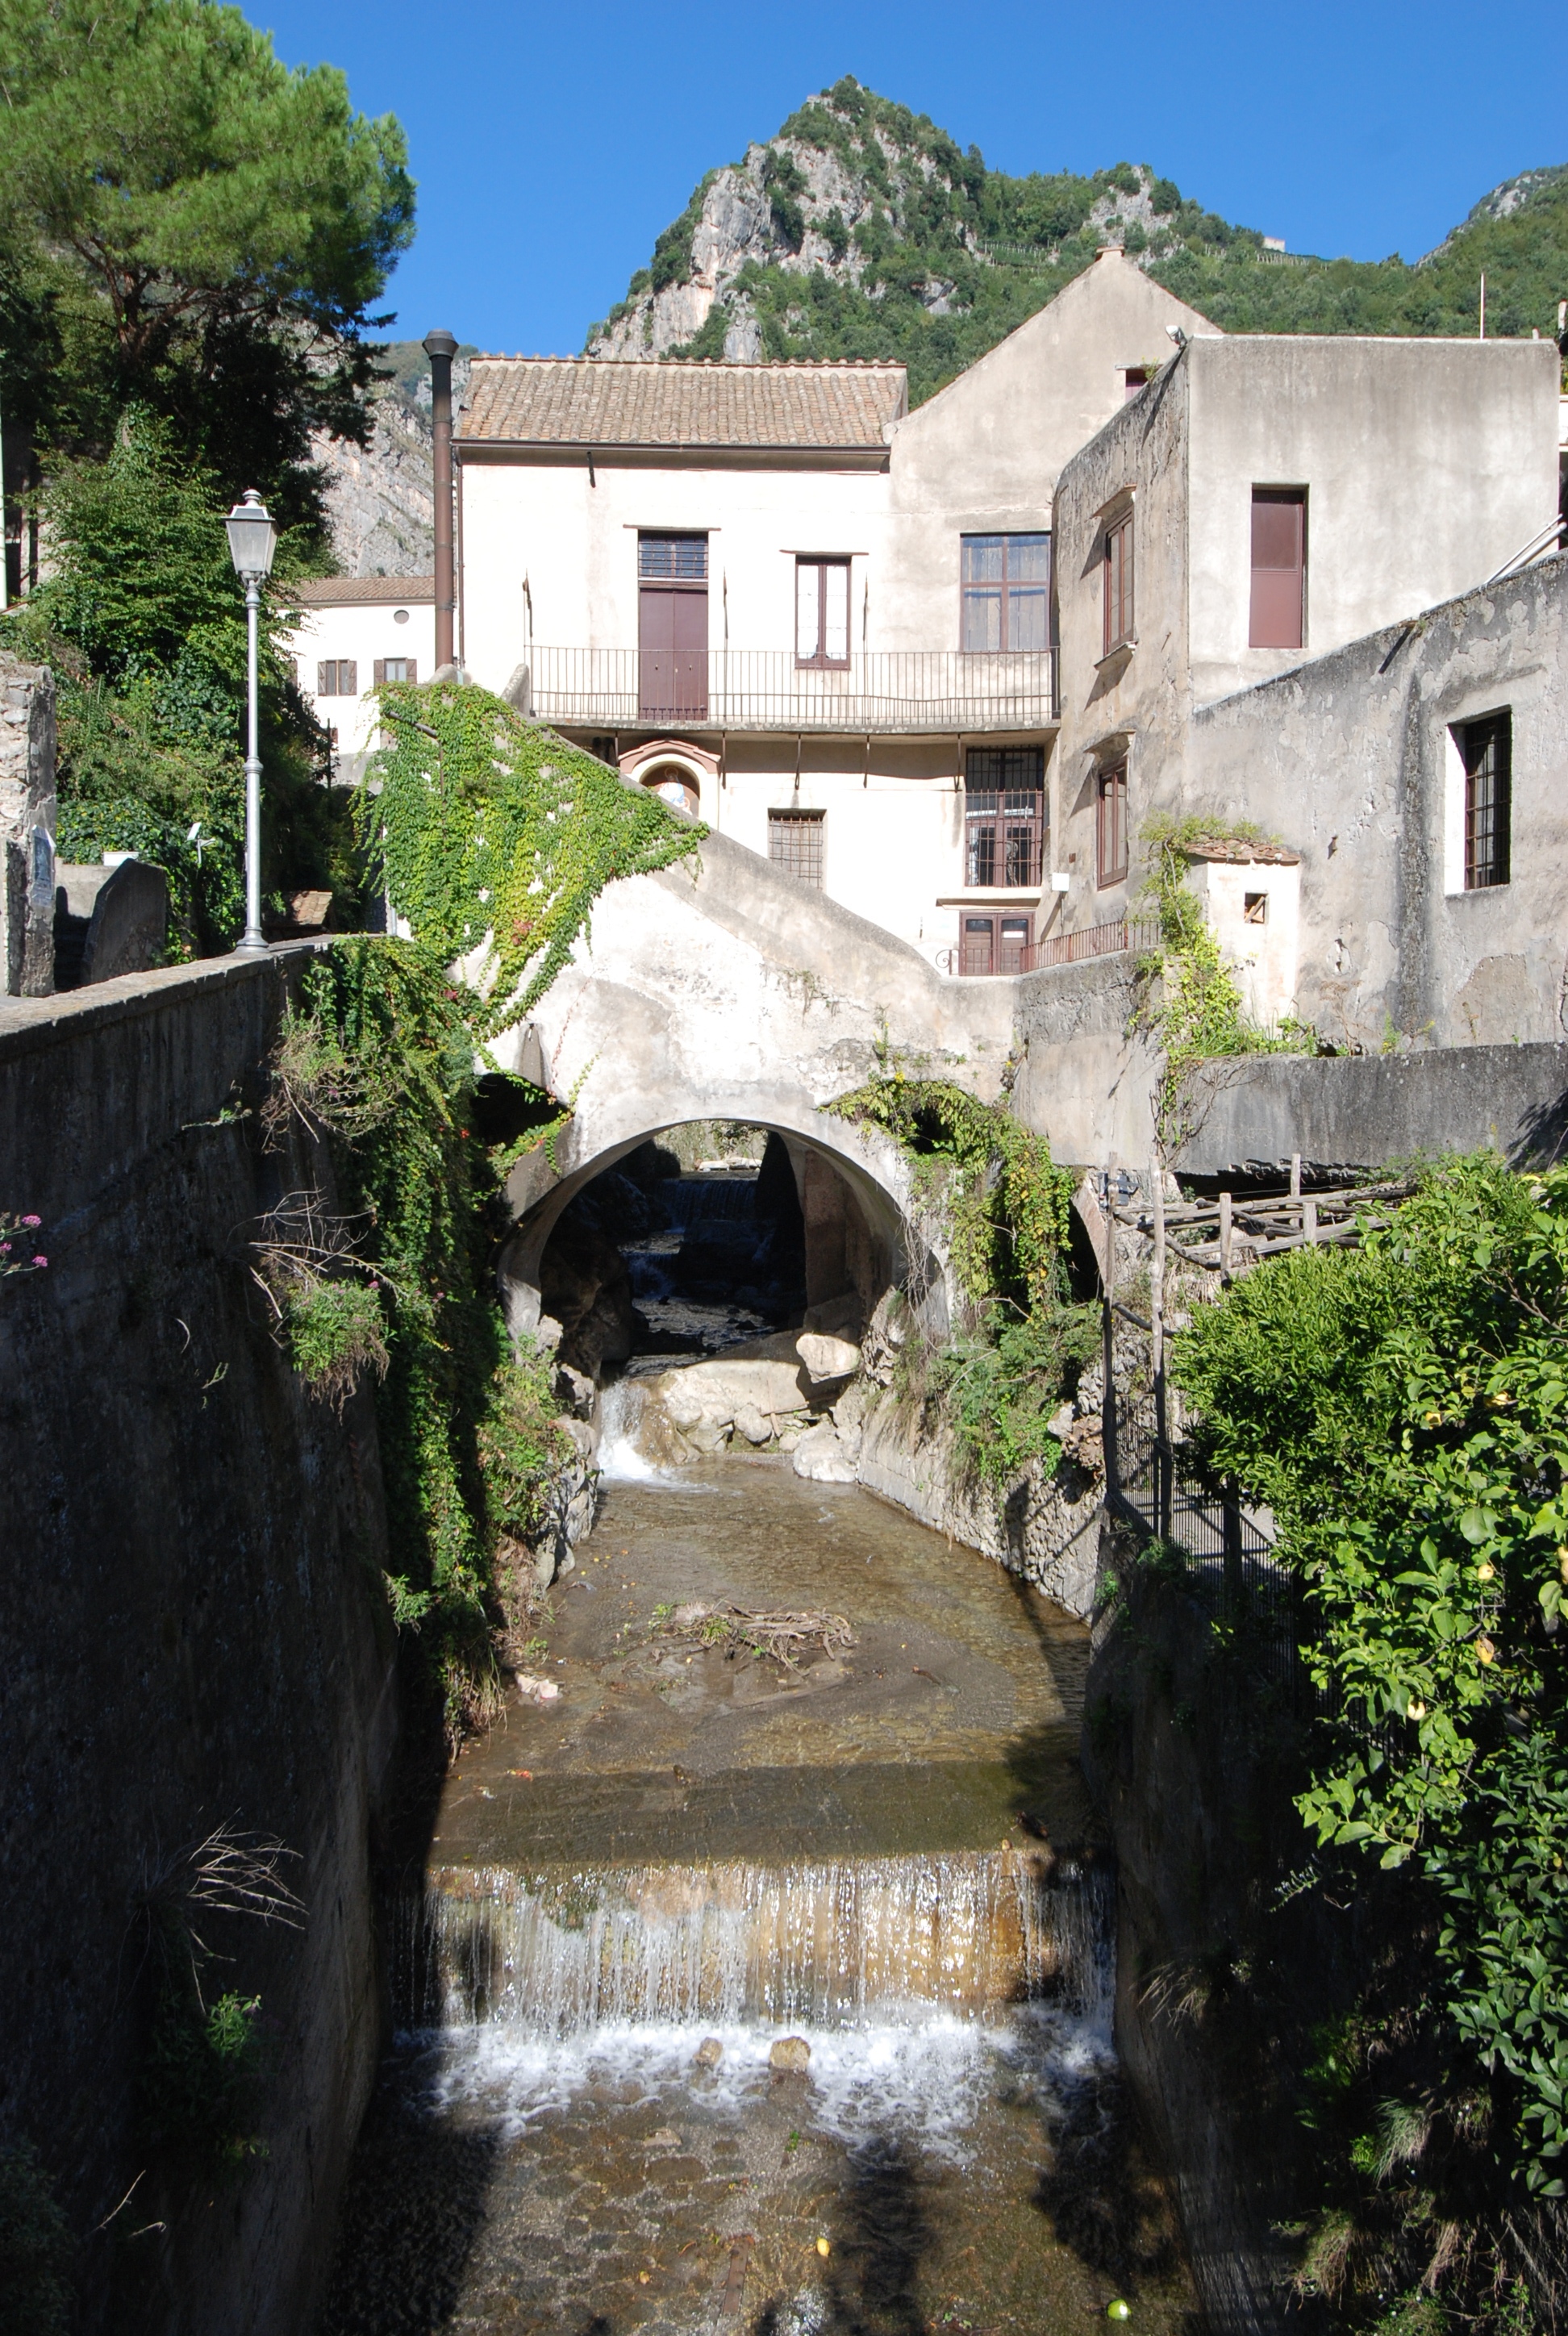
(252, 536)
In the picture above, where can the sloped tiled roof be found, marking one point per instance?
(604, 402)
(363, 592)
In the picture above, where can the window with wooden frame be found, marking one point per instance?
(1277, 615)
(996, 944)
(1487, 750)
(823, 612)
(396, 669)
(1004, 816)
(1004, 584)
(795, 844)
(1118, 583)
(337, 677)
(1111, 824)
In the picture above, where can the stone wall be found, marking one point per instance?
(196, 1635)
(26, 812)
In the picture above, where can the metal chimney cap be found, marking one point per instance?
(440, 344)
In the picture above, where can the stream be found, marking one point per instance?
(759, 1994)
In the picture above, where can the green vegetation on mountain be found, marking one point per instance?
(942, 257)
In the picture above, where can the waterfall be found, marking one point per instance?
(836, 1945)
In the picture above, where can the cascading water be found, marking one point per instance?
(720, 2006)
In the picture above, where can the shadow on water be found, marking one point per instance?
(412, 2210)
(1099, 2194)
(882, 2237)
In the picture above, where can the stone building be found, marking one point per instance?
(818, 620)
(1261, 506)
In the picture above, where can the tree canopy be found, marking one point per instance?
(192, 226)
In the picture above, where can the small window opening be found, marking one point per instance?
(1255, 908)
(1111, 825)
(1118, 584)
(1487, 750)
(795, 844)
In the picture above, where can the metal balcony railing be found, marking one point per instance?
(893, 690)
(999, 953)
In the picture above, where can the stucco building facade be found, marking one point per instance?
(822, 622)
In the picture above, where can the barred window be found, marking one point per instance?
(795, 844)
(1487, 749)
(1004, 815)
(672, 558)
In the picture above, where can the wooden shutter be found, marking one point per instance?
(379, 669)
(1110, 837)
(348, 676)
(1278, 568)
(412, 663)
(324, 679)
(1118, 626)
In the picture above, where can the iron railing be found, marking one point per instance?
(900, 691)
(1109, 940)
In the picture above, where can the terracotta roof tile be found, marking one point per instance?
(606, 402)
(362, 591)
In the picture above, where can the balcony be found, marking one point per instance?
(898, 691)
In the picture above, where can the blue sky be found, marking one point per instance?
(551, 144)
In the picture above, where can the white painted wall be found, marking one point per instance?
(363, 631)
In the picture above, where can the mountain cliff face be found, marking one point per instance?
(379, 498)
(863, 231)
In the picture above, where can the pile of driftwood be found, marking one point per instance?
(781, 1635)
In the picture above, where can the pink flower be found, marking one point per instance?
(39, 1260)
(5, 1248)
(31, 1221)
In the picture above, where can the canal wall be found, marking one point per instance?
(195, 1637)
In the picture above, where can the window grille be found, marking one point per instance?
(1007, 593)
(1118, 588)
(1486, 747)
(795, 844)
(1111, 825)
(1004, 815)
(672, 558)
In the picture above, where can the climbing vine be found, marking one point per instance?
(1005, 1204)
(381, 1056)
(1199, 1012)
(495, 836)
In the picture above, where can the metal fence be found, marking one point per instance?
(900, 691)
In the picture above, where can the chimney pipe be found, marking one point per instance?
(440, 347)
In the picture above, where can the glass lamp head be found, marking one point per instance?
(252, 536)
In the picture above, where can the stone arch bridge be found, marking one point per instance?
(721, 988)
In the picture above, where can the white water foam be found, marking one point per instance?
(618, 1459)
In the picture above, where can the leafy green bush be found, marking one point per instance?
(1001, 1393)
(1403, 1409)
(521, 1444)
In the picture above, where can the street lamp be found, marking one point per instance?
(252, 536)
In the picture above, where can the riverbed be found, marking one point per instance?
(760, 1993)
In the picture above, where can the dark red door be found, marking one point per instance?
(673, 664)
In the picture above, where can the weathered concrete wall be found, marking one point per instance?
(1350, 761)
(26, 810)
(1083, 1080)
(195, 1634)
(1362, 1112)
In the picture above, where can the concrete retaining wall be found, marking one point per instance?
(195, 1634)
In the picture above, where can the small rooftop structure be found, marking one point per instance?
(588, 402)
(363, 592)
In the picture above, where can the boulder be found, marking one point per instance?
(792, 2055)
(752, 1425)
(709, 2053)
(821, 1457)
(715, 1391)
(827, 1359)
